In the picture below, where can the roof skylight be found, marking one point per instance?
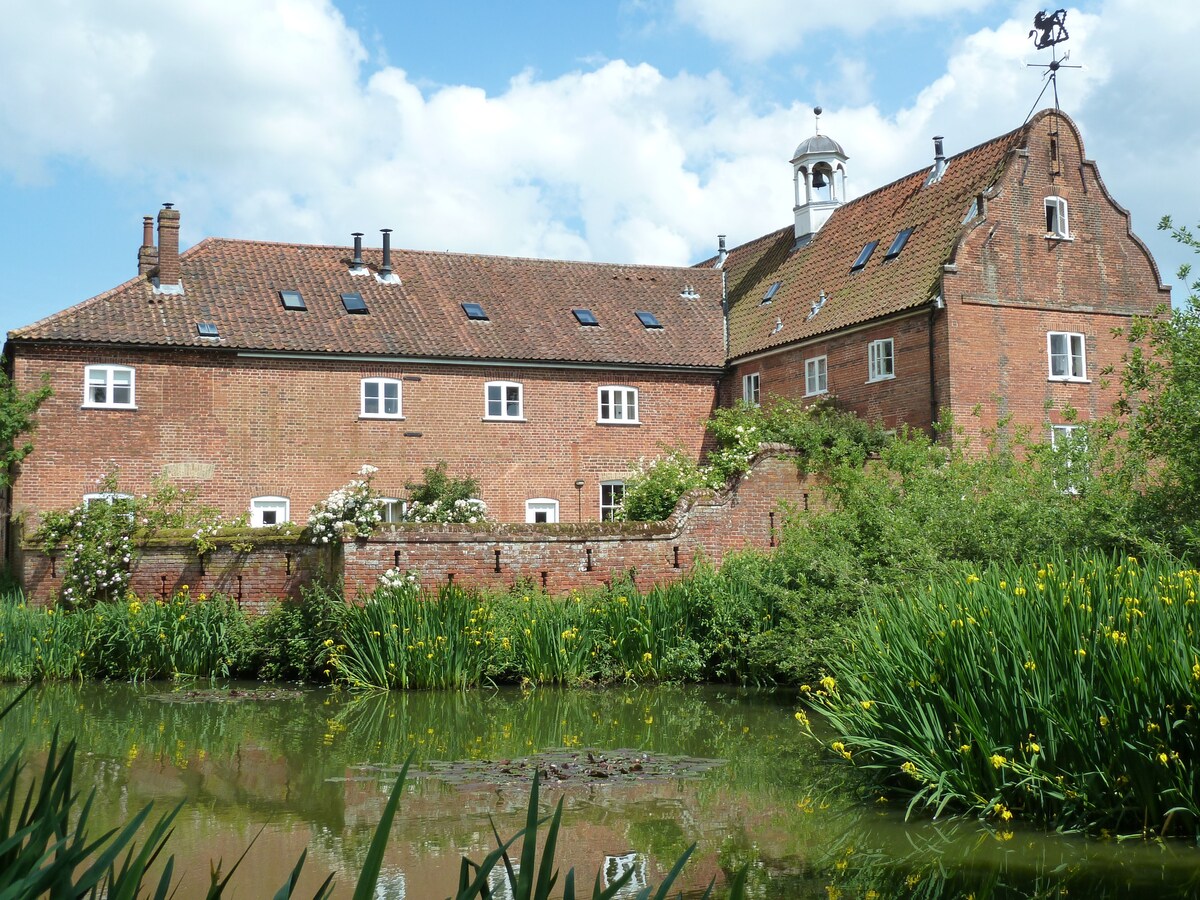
(648, 319)
(354, 303)
(771, 291)
(207, 329)
(898, 244)
(585, 317)
(864, 255)
(475, 311)
(292, 300)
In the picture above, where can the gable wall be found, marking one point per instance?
(892, 402)
(235, 428)
(1014, 284)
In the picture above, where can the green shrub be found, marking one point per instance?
(1065, 694)
(654, 489)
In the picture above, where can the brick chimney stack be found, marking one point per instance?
(168, 246)
(147, 253)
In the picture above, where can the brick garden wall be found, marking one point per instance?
(706, 526)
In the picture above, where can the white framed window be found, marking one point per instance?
(266, 511)
(750, 388)
(1068, 356)
(881, 360)
(611, 495)
(1056, 218)
(108, 387)
(380, 399)
(391, 509)
(503, 400)
(619, 405)
(541, 509)
(816, 375)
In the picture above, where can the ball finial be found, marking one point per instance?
(817, 110)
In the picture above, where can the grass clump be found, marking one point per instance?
(1063, 693)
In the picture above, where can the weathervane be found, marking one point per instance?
(1050, 30)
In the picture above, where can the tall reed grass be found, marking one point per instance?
(1064, 693)
(130, 639)
(399, 638)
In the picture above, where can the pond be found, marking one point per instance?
(725, 768)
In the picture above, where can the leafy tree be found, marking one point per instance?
(16, 420)
(1160, 408)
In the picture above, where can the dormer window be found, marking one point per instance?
(1056, 218)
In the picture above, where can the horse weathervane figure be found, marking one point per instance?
(1050, 30)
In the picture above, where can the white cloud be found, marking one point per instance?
(263, 120)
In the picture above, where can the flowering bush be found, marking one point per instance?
(442, 498)
(470, 510)
(351, 511)
(395, 578)
(97, 540)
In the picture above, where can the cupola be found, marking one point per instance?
(819, 177)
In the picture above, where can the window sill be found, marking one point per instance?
(109, 406)
(381, 418)
(503, 419)
(618, 422)
(881, 378)
(1059, 379)
(819, 393)
(1051, 236)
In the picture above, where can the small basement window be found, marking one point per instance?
(585, 317)
(771, 292)
(864, 255)
(354, 303)
(292, 300)
(898, 244)
(648, 319)
(475, 311)
(265, 511)
(207, 329)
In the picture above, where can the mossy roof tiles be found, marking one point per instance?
(234, 284)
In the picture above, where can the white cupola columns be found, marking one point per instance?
(819, 180)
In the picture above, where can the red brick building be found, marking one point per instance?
(265, 375)
(986, 286)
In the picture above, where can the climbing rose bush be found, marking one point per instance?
(351, 511)
(470, 510)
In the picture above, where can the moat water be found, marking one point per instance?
(291, 768)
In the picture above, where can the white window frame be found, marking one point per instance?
(816, 376)
(382, 384)
(392, 510)
(622, 403)
(504, 415)
(281, 506)
(1073, 355)
(608, 511)
(751, 386)
(547, 505)
(1057, 223)
(103, 376)
(881, 365)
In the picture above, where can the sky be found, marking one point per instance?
(611, 130)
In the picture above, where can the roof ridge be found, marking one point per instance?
(459, 254)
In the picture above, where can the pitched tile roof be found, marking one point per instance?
(883, 286)
(234, 285)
